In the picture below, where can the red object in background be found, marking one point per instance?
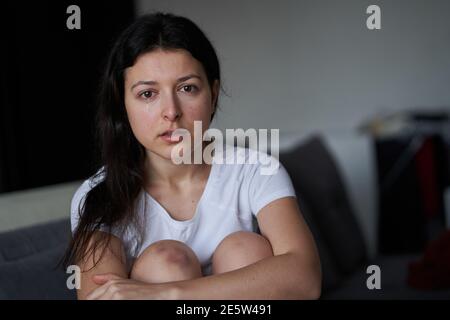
(427, 175)
(433, 270)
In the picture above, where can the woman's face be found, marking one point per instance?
(167, 90)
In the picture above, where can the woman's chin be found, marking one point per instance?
(166, 153)
(171, 152)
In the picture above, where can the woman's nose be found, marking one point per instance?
(171, 109)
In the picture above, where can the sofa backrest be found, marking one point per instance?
(320, 189)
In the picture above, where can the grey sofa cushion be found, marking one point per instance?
(17, 244)
(35, 277)
(28, 261)
(331, 276)
(316, 178)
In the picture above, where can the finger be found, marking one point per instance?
(99, 280)
(105, 277)
(98, 292)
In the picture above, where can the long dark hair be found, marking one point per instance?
(113, 201)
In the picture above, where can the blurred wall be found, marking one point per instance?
(303, 65)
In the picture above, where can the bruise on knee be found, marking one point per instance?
(168, 252)
(166, 260)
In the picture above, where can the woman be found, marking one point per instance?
(147, 228)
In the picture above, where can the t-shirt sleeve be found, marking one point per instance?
(268, 183)
(77, 206)
(76, 211)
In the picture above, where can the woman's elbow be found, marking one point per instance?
(315, 291)
(316, 283)
(307, 290)
(310, 284)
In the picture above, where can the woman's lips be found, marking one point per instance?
(167, 137)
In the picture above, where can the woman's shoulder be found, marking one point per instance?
(229, 154)
(87, 185)
(248, 159)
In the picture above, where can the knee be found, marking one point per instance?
(240, 249)
(165, 259)
(169, 252)
(246, 242)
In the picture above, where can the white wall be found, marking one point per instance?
(310, 65)
(307, 66)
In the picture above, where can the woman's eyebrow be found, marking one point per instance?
(143, 82)
(151, 82)
(189, 76)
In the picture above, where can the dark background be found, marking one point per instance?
(49, 81)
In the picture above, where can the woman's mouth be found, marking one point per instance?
(169, 137)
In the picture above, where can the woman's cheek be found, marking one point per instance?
(200, 110)
(141, 123)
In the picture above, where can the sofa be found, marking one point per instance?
(28, 262)
(343, 244)
(329, 197)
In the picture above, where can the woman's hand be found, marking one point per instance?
(114, 287)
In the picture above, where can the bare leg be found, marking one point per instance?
(166, 261)
(238, 250)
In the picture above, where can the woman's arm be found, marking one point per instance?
(294, 272)
(113, 261)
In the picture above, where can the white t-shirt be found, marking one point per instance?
(233, 196)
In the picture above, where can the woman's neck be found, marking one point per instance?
(163, 171)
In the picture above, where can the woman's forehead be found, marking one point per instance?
(164, 65)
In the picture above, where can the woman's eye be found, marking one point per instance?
(146, 94)
(189, 88)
